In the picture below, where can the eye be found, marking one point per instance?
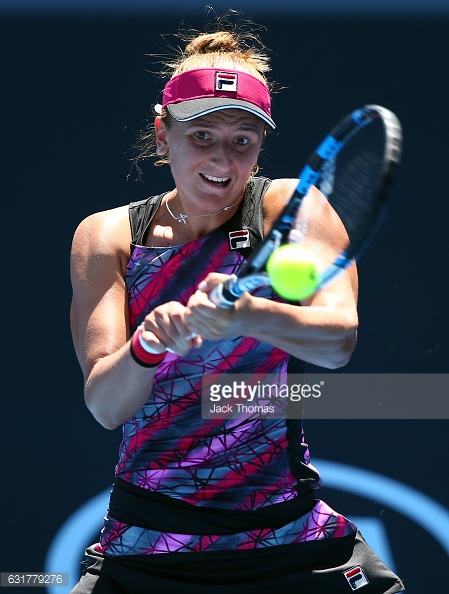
(242, 141)
(202, 135)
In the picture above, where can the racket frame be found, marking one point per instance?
(252, 275)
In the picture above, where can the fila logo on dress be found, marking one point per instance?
(356, 577)
(239, 239)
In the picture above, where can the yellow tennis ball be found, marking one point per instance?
(293, 272)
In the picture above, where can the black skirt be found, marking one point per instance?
(334, 565)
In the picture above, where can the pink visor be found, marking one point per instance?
(205, 90)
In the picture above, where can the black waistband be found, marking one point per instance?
(140, 507)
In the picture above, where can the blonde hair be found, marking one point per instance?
(223, 49)
(233, 46)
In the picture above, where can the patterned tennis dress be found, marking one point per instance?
(170, 452)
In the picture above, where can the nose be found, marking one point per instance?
(222, 154)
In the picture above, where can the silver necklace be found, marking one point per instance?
(182, 217)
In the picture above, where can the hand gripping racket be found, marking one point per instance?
(353, 168)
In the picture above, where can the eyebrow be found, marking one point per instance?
(243, 124)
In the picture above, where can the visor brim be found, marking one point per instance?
(189, 110)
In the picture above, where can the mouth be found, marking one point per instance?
(217, 181)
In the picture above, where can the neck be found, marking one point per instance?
(178, 227)
(181, 215)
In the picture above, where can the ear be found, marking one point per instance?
(160, 130)
(265, 134)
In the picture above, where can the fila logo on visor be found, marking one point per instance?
(226, 81)
(239, 239)
(356, 577)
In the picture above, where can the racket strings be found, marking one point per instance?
(357, 178)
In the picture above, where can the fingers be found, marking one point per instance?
(176, 328)
(150, 342)
(211, 281)
(165, 329)
(204, 318)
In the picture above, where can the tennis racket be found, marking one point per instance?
(353, 168)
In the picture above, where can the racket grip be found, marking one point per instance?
(227, 293)
(222, 294)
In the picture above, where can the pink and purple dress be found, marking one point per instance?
(187, 484)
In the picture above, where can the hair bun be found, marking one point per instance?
(219, 42)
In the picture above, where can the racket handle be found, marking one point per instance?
(227, 293)
(223, 294)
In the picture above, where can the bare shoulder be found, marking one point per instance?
(104, 226)
(315, 206)
(103, 234)
(99, 256)
(280, 191)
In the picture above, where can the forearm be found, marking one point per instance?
(117, 387)
(323, 336)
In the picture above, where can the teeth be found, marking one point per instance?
(215, 179)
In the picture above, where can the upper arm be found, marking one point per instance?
(99, 312)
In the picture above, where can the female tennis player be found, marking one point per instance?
(201, 505)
